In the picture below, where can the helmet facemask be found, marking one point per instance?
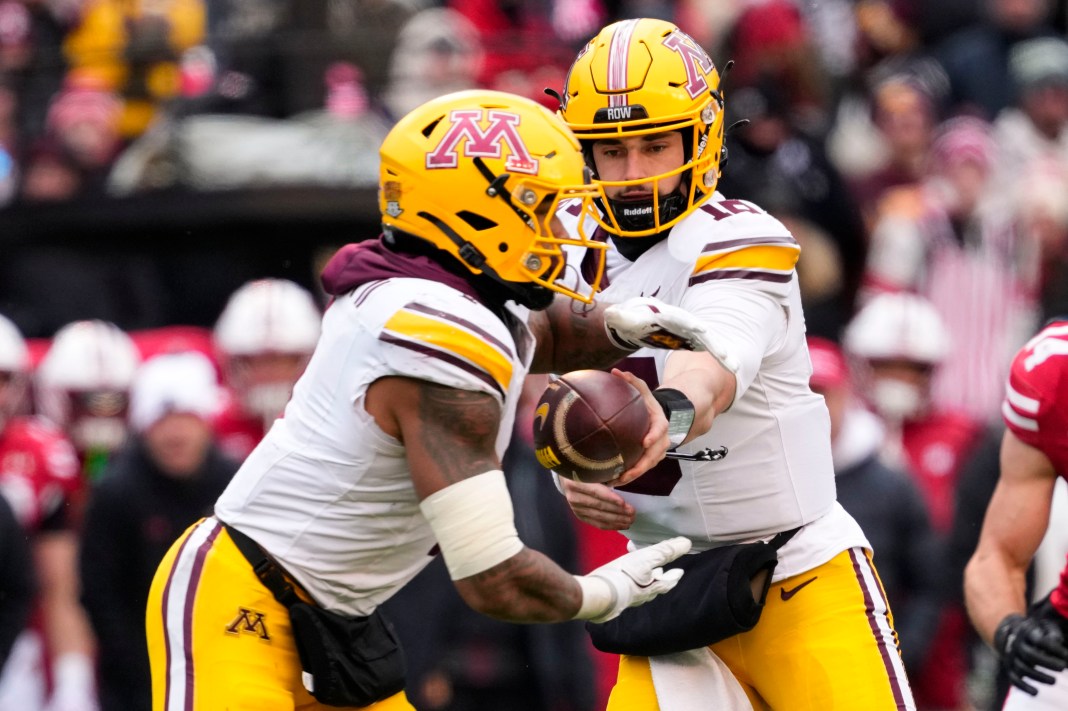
(96, 420)
(263, 382)
(83, 383)
(545, 261)
(659, 211)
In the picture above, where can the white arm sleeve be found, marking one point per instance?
(748, 322)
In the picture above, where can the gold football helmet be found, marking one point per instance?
(480, 175)
(640, 77)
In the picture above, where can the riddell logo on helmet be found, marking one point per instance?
(466, 128)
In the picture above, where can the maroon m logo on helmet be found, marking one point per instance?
(483, 143)
(694, 59)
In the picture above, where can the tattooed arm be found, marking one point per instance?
(571, 336)
(449, 435)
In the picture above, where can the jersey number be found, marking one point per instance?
(726, 208)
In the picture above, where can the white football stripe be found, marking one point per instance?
(178, 592)
(1021, 402)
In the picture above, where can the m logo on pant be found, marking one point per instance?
(249, 622)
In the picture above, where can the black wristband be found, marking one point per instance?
(679, 412)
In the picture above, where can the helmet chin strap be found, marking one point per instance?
(533, 296)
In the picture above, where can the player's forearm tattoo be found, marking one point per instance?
(459, 430)
(571, 337)
(528, 588)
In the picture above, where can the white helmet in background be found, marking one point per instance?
(896, 341)
(268, 316)
(14, 362)
(84, 380)
(898, 326)
(265, 336)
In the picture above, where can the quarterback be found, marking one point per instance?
(646, 104)
(1031, 643)
(389, 449)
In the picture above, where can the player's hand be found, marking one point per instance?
(635, 578)
(597, 505)
(656, 443)
(643, 322)
(1028, 644)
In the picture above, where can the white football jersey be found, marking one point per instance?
(327, 492)
(732, 265)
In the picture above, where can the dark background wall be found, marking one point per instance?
(167, 258)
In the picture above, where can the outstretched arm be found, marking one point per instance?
(449, 436)
(571, 336)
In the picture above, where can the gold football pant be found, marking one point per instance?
(824, 642)
(217, 638)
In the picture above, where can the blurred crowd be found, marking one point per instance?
(918, 152)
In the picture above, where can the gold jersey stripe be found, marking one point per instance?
(449, 337)
(770, 257)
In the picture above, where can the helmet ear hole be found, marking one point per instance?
(502, 247)
(476, 221)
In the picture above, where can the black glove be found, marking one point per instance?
(1026, 643)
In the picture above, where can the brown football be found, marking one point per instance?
(589, 426)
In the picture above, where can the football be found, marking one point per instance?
(589, 426)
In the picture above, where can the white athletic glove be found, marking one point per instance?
(630, 580)
(74, 686)
(642, 322)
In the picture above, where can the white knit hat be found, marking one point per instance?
(173, 382)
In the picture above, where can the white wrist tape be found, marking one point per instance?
(598, 597)
(474, 524)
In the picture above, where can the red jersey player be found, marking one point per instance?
(1034, 452)
(39, 477)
